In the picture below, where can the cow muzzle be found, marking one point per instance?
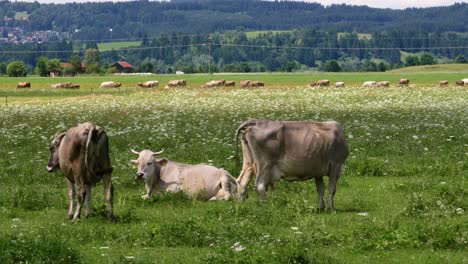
(140, 175)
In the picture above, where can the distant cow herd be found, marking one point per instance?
(231, 83)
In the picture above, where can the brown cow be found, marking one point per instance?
(230, 83)
(66, 85)
(293, 151)
(244, 83)
(177, 83)
(320, 83)
(256, 84)
(82, 153)
(443, 83)
(404, 82)
(460, 83)
(24, 85)
(383, 84)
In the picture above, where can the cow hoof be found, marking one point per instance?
(70, 216)
(144, 197)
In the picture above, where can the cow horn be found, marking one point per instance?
(134, 151)
(157, 153)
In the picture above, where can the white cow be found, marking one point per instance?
(110, 84)
(339, 84)
(148, 84)
(369, 84)
(201, 181)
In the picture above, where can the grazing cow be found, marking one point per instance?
(320, 83)
(110, 84)
(66, 85)
(256, 84)
(339, 84)
(369, 84)
(383, 84)
(244, 84)
(403, 82)
(177, 83)
(201, 181)
(460, 83)
(82, 153)
(214, 83)
(229, 83)
(293, 151)
(148, 84)
(443, 83)
(24, 85)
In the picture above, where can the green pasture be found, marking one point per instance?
(105, 46)
(21, 15)
(401, 199)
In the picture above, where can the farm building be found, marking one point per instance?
(123, 66)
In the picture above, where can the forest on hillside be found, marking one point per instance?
(134, 19)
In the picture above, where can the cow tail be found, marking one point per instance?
(241, 128)
(88, 143)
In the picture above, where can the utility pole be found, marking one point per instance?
(209, 55)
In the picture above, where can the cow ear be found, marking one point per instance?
(134, 163)
(59, 137)
(161, 162)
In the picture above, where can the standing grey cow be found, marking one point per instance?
(82, 153)
(293, 151)
(202, 181)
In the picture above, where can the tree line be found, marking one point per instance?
(236, 51)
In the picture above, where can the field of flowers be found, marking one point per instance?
(402, 198)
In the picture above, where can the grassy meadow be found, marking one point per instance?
(402, 198)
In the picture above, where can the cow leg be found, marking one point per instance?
(262, 181)
(109, 190)
(242, 183)
(335, 172)
(88, 199)
(71, 197)
(320, 190)
(81, 196)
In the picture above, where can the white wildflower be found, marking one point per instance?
(237, 247)
(363, 214)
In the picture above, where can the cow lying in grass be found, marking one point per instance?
(204, 182)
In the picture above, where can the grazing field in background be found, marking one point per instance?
(401, 199)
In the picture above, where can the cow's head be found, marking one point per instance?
(147, 164)
(54, 162)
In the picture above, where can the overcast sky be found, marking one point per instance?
(395, 4)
